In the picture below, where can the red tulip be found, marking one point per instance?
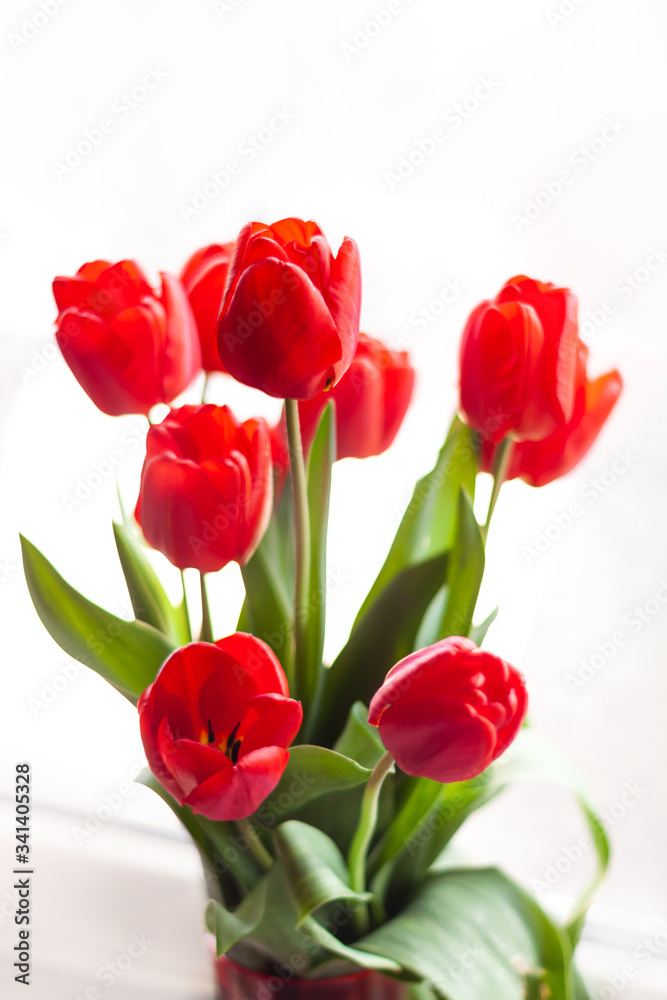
(216, 724)
(371, 399)
(206, 487)
(540, 462)
(290, 315)
(128, 346)
(204, 278)
(518, 361)
(447, 711)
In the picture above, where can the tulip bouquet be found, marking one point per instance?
(323, 798)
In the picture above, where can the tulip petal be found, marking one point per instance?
(278, 723)
(181, 354)
(237, 792)
(258, 660)
(438, 738)
(106, 366)
(277, 334)
(191, 763)
(343, 297)
(541, 462)
(149, 738)
(204, 278)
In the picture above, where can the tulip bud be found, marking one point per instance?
(290, 315)
(128, 346)
(206, 487)
(447, 711)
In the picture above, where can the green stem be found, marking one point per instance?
(255, 845)
(206, 626)
(204, 387)
(302, 539)
(363, 835)
(185, 605)
(501, 462)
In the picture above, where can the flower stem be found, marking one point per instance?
(206, 626)
(501, 464)
(185, 605)
(302, 537)
(363, 835)
(255, 845)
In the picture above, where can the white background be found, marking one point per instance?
(357, 105)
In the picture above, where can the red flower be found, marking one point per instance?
(290, 315)
(216, 724)
(204, 278)
(206, 487)
(447, 711)
(371, 398)
(540, 462)
(518, 361)
(128, 346)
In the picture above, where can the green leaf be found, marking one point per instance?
(428, 526)
(427, 824)
(148, 596)
(472, 934)
(478, 632)
(530, 758)
(126, 654)
(315, 868)
(311, 772)
(366, 959)
(422, 794)
(276, 935)
(359, 740)
(229, 926)
(534, 758)
(322, 457)
(267, 610)
(466, 568)
(385, 635)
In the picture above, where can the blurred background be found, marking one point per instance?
(551, 162)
